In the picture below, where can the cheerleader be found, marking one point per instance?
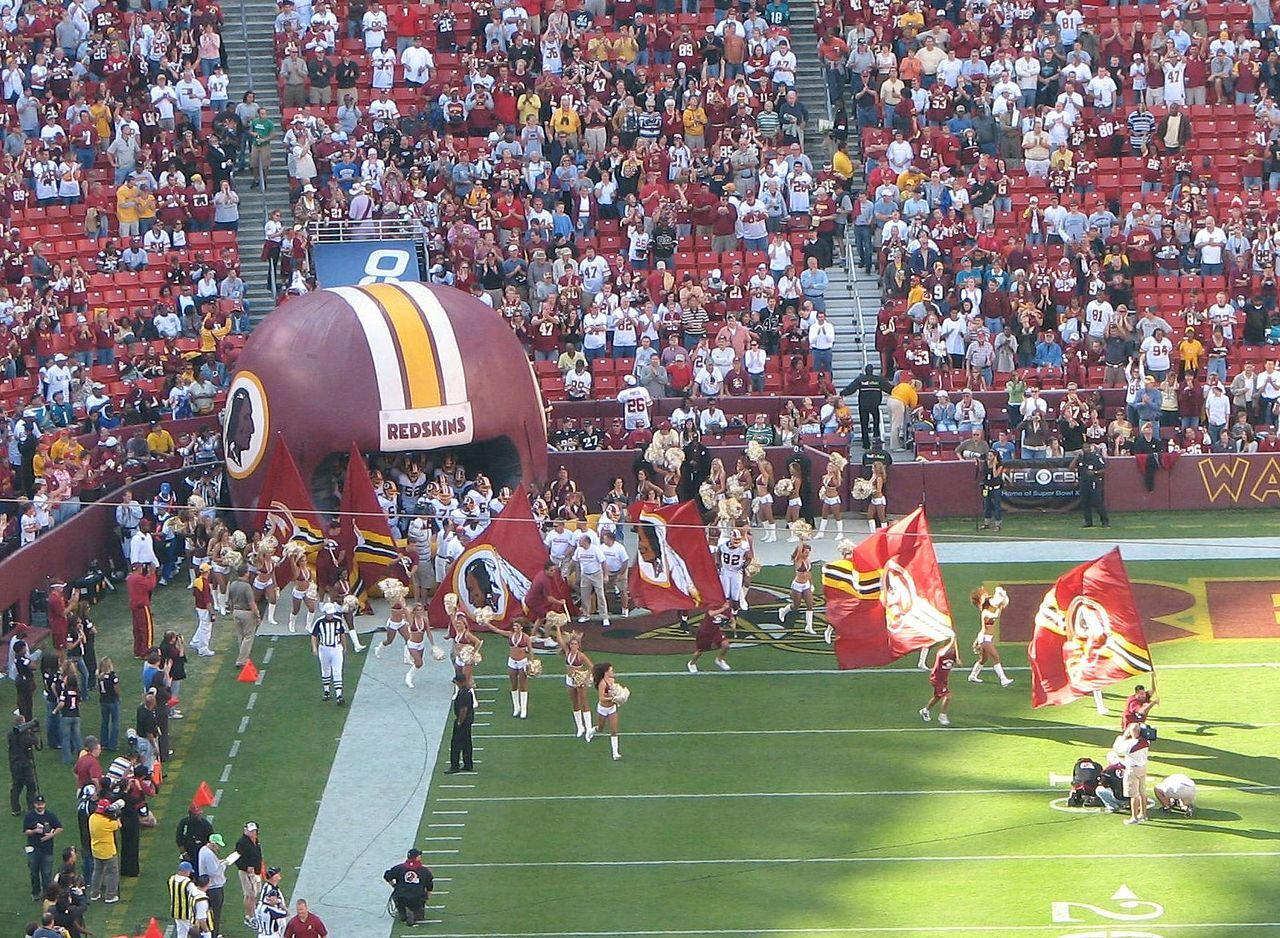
(264, 577)
(646, 489)
(877, 505)
(763, 500)
(466, 645)
(607, 704)
(791, 487)
(518, 666)
(829, 494)
(397, 616)
(219, 567)
(417, 636)
(801, 587)
(577, 678)
(710, 637)
(197, 539)
(989, 604)
(303, 591)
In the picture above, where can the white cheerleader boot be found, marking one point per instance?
(408, 678)
(839, 527)
(271, 613)
(613, 744)
(515, 703)
(822, 529)
(771, 532)
(407, 658)
(808, 622)
(784, 612)
(577, 722)
(524, 704)
(355, 641)
(311, 618)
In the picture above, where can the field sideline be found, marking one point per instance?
(780, 799)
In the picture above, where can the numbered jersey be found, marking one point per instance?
(732, 557)
(635, 408)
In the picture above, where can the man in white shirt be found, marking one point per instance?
(577, 383)
(1157, 353)
(560, 546)
(595, 326)
(417, 64)
(1209, 242)
(616, 562)
(970, 413)
(954, 332)
(164, 99)
(709, 378)
(1221, 313)
(1097, 315)
(192, 98)
(712, 421)
(822, 338)
(591, 597)
(374, 24)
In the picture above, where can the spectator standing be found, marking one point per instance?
(40, 826)
(212, 866)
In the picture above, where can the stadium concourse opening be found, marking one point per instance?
(393, 368)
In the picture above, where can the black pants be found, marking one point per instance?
(460, 746)
(1093, 495)
(24, 777)
(411, 911)
(216, 896)
(130, 842)
(870, 417)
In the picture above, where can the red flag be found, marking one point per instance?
(1088, 635)
(366, 533)
(285, 505)
(203, 796)
(497, 567)
(674, 568)
(888, 599)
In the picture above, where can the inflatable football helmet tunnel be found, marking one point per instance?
(396, 367)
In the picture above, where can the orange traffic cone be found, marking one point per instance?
(153, 930)
(248, 674)
(203, 796)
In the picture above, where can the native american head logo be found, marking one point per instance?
(657, 561)
(905, 610)
(1088, 630)
(246, 425)
(280, 522)
(482, 578)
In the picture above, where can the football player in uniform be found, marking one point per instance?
(733, 553)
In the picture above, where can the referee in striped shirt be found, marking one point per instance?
(328, 634)
(180, 899)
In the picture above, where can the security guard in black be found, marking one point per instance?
(1091, 467)
(464, 713)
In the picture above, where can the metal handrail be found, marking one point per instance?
(852, 267)
(331, 231)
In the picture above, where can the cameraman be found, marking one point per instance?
(40, 827)
(24, 740)
(411, 884)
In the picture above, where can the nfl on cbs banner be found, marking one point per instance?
(887, 599)
(1088, 634)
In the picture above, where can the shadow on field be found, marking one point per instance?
(1191, 758)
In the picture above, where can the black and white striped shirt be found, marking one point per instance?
(329, 631)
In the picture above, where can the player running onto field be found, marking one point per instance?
(990, 603)
(946, 659)
(733, 553)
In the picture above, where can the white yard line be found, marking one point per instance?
(833, 930)
(854, 731)
(796, 861)
(376, 793)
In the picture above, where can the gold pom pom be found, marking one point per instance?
(999, 599)
(837, 462)
(580, 677)
(295, 552)
(556, 619)
(753, 566)
(673, 458)
(534, 668)
(862, 489)
(239, 541)
(845, 547)
(620, 694)
(313, 592)
(755, 452)
(393, 590)
(468, 654)
(735, 489)
(196, 502)
(707, 492)
(801, 529)
(451, 604)
(485, 615)
(437, 653)
(351, 603)
(784, 488)
(231, 559)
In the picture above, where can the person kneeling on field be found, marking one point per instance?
(1177, 793)
(1110, 788)
(411, 884)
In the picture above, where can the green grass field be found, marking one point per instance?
(784, 798)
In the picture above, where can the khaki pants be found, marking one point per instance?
(260, 162)
(618, 581)
(295, 96)
(322, 94)
(597, 139)
(246, 630)
(592, 588)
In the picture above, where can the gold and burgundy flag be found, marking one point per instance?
(674, 568)
(1088, 634)
(497, 568)
(285, 509)
(887, 599)
(366, 535)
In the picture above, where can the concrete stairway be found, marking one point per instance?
(249, 34)
(810, 85)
